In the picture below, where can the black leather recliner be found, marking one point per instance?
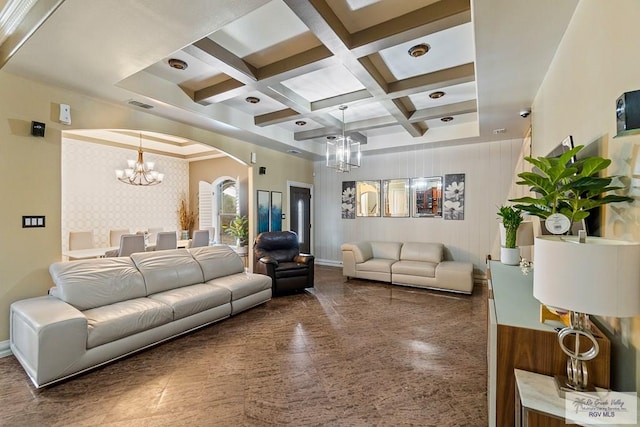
(277, 255)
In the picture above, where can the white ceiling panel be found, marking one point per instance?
(266, 26)
(449, 48)
(457, 93)
(325, 83)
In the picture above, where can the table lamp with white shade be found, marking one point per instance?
(599, 277)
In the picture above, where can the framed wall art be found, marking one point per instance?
(263, 211)
(348, 204)
(276, 211)
(453, 207)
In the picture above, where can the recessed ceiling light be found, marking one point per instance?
(499, 131)
(178, 64)
(252, 99)
(436, 94)
(292, 151)
(446, 119)
(419, 50)
(301, 123)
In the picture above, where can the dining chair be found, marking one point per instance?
(80, 240)
(200, 238)
(114, 236)
(166, 240)
(131, 243)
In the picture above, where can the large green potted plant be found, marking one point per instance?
(511, 220)
(570, 189)
(238, 228)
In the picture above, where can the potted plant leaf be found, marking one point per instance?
(238, 228)
(566, 188)
(511, 220)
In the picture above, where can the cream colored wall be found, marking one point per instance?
(30, 171)
(596, 62)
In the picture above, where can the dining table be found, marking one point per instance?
(88, 253)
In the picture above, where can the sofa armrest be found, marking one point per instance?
(352, 254)
(304, 258)
(47, 336)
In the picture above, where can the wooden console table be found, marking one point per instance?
(517, 340)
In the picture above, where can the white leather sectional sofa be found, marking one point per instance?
(413, 264)
(104, 309)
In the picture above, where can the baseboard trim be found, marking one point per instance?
(5, 350)
(328, 262)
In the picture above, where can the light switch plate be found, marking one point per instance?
(33, 221)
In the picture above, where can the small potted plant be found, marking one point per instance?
(238, 228)
(511, 220)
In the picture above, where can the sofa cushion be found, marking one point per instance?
(193, 299)
(415, 268)
(386, 250)
(164, 270)
(376, 264)
(243, 284)
(119, 320)
(432, 252)
(93, 283)
(217, 261)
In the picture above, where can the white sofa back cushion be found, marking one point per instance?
(169, 269)
(432, 252)
(91, 283)
(386, 250)
(217, 261)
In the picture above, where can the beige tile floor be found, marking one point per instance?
(354, 353)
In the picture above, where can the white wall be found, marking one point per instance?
(489, 169)
(93, 199)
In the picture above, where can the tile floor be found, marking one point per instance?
(354, 353)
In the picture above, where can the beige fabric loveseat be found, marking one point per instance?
(412, 264)
(104, 309)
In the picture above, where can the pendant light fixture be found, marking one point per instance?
(138, 172)
(342, 152)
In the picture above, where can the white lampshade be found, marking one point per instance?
(600, 276)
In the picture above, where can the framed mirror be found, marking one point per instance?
(368, 198)
(426, 197)
(395, 196)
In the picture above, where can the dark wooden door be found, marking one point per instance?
(300, 221)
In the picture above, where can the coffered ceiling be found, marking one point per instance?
(275, 72)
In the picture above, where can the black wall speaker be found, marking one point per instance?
(628, 112)
(37, 129)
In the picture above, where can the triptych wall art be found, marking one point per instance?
(269, 211)
(404, 198)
